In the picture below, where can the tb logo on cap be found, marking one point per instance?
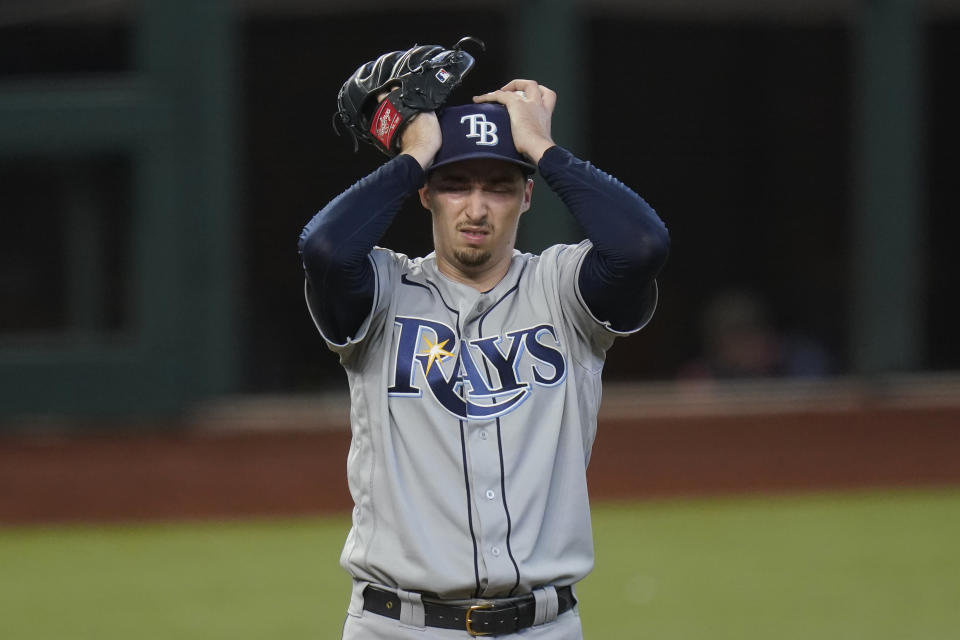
(482, 128)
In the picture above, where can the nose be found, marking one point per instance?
(476, 209)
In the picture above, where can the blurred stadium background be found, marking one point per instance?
(779, 450)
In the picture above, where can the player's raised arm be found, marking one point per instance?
(390, 104)
(630, 242)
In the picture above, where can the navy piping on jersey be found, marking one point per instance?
(512, 289)
(506, 510)
(405, 280)
(503, 480)
(463, 439)
(473, 536)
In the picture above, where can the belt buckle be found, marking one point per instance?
(469, 622)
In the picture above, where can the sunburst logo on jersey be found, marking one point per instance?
(435, 351)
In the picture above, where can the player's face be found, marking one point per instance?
(476, 206)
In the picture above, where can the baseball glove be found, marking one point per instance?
(419, 79)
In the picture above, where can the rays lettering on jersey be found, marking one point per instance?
(486, 380)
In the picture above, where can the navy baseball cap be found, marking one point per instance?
(478, 131)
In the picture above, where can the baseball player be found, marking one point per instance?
(474, 371)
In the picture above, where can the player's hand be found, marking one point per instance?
(530, 106)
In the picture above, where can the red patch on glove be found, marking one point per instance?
(385, 122)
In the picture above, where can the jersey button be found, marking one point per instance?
(483, 435)
(495, 551)
(491, 494)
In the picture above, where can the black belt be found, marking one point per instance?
(487, 618)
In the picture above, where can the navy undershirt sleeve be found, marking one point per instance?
(337, 241)
(630, 242)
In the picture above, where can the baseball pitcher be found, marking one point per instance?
(474, 371)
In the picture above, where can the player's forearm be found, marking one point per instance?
(621, 225)
(344, 232)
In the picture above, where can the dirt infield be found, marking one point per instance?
(648, 445)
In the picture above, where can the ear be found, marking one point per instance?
(424, 196)
(527, 195)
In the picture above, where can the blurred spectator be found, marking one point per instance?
(740, 341)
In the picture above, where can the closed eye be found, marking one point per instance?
(506, 186)
(449, 187)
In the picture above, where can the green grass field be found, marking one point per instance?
(846, 566)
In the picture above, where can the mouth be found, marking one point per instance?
(474, 234)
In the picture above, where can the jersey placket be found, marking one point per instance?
(491, 525)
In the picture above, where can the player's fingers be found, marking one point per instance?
(549, 97)
(528, 89)
(492, 96)
(503, 97)
(519, 84)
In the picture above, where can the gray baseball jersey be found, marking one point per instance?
(473, 416)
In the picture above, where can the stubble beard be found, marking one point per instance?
(472, 256)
